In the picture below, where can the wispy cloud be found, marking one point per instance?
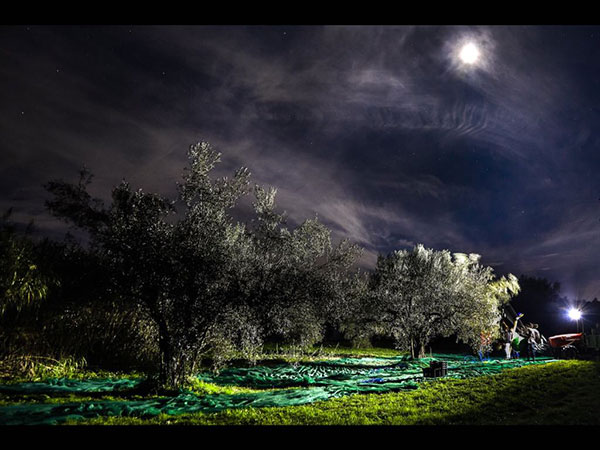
(375, 130)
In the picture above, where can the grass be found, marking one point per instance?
(27, 368)
(560, 393)
(200, 387)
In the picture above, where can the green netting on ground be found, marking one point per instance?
(66, 386)
(297, 384)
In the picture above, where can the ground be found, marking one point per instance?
(549, 393)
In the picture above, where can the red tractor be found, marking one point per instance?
(566, 346)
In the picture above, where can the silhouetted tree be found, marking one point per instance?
(541, 302)
(178, 267)
(21, 281)
(212, 286)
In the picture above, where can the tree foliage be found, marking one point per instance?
(215, 288)
(212, 286)
(422, 294)
(176, 266)
(541, 302)
(21, 281)
(300, 279)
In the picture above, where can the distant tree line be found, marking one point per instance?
(173, 283)
(542, 302)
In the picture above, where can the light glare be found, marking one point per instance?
(574, 314)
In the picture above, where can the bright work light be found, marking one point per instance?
(574, 314)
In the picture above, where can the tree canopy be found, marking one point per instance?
(215, 287)
(422, 294)
(209, 283)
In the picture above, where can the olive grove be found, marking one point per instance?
(212, 286)
(182, 273)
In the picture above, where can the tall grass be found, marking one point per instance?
(36, 368)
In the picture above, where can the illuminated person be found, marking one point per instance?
(507, 339)
(533, 337)
(515, 339)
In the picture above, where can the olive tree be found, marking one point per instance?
(301, 281)
(212, 286)
(422, 294)
(485, 296)
(175, 258)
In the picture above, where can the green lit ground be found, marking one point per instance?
(367, 388)
(561, 393)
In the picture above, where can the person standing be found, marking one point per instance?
(533, 338)
(511, 338)
(516, 338)
(507, 340)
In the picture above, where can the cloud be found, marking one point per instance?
(372, 129)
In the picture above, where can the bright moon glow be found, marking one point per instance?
(469, 53)
(574, 314)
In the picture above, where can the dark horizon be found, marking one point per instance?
(379, 131)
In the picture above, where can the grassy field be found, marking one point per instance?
(557, 393)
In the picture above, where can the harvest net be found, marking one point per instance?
(278, 385)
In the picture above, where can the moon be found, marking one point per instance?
(469, 53)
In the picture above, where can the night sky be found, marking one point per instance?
(383, 132)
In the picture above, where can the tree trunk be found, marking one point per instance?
(417, 348)
(422, 350)
(167, 377)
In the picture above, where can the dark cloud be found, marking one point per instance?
(378, 131)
